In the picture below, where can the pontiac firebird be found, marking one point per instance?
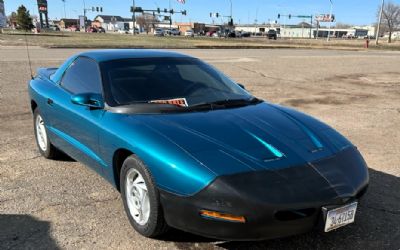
(189, 148)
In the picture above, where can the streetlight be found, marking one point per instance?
(65, 13)
(330, 21)
(231, 8)
(379, 23)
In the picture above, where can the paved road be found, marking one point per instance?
(63, 204)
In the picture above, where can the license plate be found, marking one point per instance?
(340, 217)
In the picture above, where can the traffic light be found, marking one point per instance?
(171, 11)
(290, 16)
(230, 23)
(101, 9)
(97, 9)
(217, 14)
(132, 9)
(210, 14)
(138, 9)
(158, 10)
(93, 9)
(184, 13)
(165, 10)
(279, 16)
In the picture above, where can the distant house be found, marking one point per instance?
(113, 23)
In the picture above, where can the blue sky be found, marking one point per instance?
(347, 11)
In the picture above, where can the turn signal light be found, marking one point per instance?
(222, 216)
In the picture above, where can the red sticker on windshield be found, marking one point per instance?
(181, 102)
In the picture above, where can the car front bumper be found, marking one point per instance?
(275, 203)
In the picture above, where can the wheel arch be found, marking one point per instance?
(33, 105)
(119, 157)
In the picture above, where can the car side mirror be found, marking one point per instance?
(91, 100)
(241, 85)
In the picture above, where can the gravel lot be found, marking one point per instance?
(63, 204)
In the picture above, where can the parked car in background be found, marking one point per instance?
(189, 33)
(54, 28)
(122, 31)
(130, 31)
(101, 30)
(245, 34)
(210, 33)
(91, 30)
(158, 32)
(172, 32)
(73, 28)
(271, 34)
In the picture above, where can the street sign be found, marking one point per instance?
(42, 6)
(325, 18)
(304, 16)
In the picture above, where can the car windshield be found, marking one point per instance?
(151, 80)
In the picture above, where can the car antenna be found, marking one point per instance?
(29, 57)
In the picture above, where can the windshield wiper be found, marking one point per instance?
(227, 103)
(218, 105)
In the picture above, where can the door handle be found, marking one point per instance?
(50, 101)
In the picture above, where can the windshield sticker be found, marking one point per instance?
(181, 102)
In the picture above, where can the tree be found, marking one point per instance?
(146, 21)
(24, 20)
(390, 18)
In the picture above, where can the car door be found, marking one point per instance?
(76, 128)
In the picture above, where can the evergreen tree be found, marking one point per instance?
(24, 20)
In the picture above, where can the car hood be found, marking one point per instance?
(251, 138)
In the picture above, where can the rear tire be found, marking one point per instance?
(46, 149)
(141, 199)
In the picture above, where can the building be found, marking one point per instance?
(113, 23)
(196, 27)
(67, 23)
(304, 29)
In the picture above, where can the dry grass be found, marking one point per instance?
(90, 40)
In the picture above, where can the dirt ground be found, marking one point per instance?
(63, 204)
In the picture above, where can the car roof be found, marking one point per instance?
(116, 54)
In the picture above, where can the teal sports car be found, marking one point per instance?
(189, 148)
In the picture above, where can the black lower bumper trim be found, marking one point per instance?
(275, 203)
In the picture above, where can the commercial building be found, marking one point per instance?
(113, 23)
(303, 30)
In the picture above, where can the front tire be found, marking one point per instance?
(141, 199)
(46, 149)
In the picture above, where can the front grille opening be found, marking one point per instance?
(294, 214)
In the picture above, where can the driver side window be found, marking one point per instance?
(82, 76)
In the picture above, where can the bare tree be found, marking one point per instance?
(390, 18)
(146, 21)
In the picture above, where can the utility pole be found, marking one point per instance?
(84, 15)
(133, 17)
(65, 13)
(379, 23)
(170, 17)
(231, 9)
(330, 22)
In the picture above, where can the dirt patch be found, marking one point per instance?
(298, 102)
